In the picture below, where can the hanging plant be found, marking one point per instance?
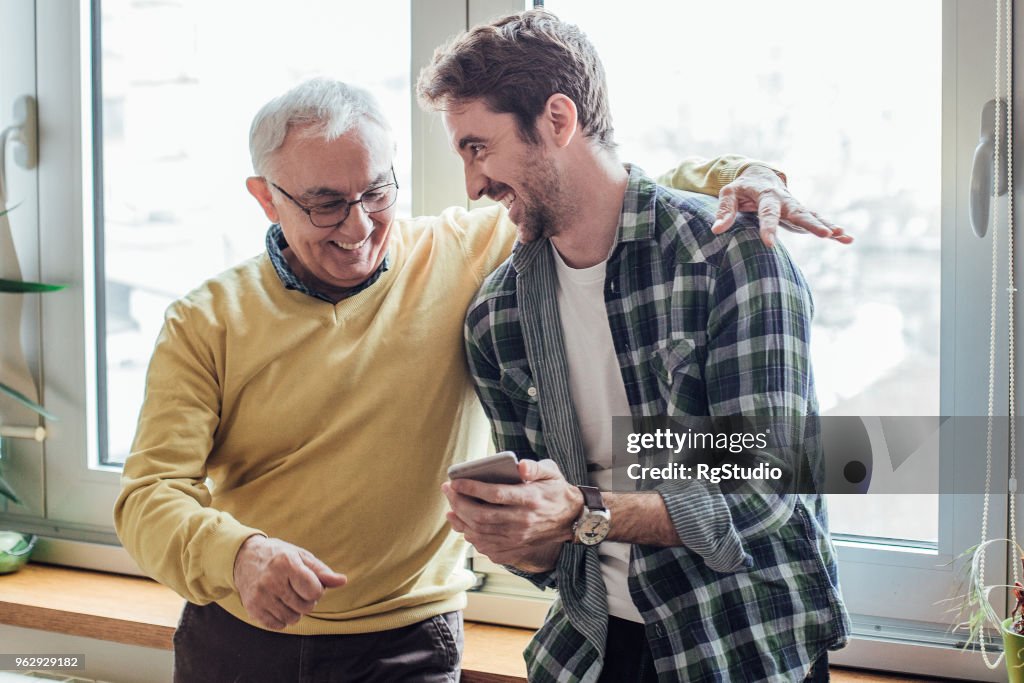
(976, 612)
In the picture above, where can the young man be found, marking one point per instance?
(620, 300)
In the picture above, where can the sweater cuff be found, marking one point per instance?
(702, 520)
(219, 552)
(737, 168)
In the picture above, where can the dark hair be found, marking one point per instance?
(514, 65)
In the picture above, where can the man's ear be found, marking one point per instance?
(559, 119)
(260, 189)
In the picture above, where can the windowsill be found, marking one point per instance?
(135, 611)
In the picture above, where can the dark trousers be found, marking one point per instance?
(211, 646)
(628, 657)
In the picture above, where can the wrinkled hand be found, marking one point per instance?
(523, 525)
(759, 189)
(279, 582)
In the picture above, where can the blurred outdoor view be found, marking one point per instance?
(181, 81)
(847, 105)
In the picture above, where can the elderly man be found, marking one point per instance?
(321, 388)
(620, 300)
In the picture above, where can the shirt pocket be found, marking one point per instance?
(517, 384)
(672, 357)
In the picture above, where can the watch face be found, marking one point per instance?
(593, 529)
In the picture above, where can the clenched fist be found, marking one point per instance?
(279, 582)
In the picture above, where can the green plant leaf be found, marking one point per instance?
(7, 211)
(26, 401)
(7, 492)
(21, 287)
(975, 612)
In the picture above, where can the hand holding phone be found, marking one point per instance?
(502, 468)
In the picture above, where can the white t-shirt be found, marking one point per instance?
(598, 394)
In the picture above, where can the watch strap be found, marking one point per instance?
(592, 497)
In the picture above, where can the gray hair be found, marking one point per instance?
(329, 108)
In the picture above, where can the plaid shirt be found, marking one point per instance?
(702, 325)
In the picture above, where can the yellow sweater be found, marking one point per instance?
(328, 426)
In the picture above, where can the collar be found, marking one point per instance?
(276, 244)
(636, 219)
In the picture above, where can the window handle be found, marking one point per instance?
(982, 187)
(23, 432)
(23, 133)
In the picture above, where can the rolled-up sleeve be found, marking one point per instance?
(757, 365)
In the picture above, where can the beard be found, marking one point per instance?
(538, 222)
(543, 203)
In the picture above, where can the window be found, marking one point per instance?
(843, 122)
(180, 83)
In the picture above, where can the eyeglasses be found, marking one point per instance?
(333, 214)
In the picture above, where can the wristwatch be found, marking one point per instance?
(594, 522)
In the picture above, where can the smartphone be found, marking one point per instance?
(502, 468)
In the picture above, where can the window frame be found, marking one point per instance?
(21, 457)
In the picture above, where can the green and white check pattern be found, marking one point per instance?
(702, 325)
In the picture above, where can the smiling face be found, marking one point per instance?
(317, 172)
(499, 164)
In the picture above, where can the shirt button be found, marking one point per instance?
(532, 392)
(659, 630)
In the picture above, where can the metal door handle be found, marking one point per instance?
(24, 134)
(982, 187)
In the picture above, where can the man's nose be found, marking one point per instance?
(358, 220)
(476, 182)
